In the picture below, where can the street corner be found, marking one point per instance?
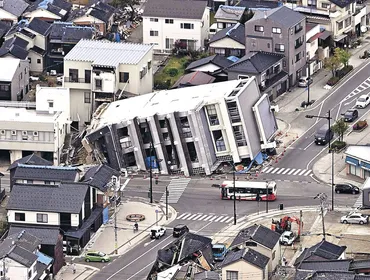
(76, 271)
(170, 217)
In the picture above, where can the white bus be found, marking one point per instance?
(246, 190)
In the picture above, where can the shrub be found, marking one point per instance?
(360, 125)
(332, 81)
(161, 85)
(42, 78)
(172, 72)
(344, 71)
(338, 145)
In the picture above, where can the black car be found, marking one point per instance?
(350, 115)
(179, 230)
(346, 188)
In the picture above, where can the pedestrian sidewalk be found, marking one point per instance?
(82, 272)
(322, 167)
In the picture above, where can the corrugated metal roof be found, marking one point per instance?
(106, 53)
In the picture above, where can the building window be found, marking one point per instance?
(325, 5)
(187, 25)
(168, 20)
(273, 255)
(298, 57)
(258, 28)
(219, 140)
(87, 76)
(311, 3)
(243, 77)
(38, 61)
(284, 63)
(149, 64)
(340, 25)
(2, 132)
(231, 275)
(276, 69)
(29, 60)
(14, 132)
(42, 218)
(25, 70)
(73, 75)
(153, 19)
(87, 97)
(51, 104)
(268, 45)
(298, 27)
(239, 136)
(347, 22)
(169, 43)
(276, 30)
(20, 217)
(279, 47)
(153, 33)
(29, 274)
(4, 88)
(212, 115)
(35, 133)
(98, 83)
(124, 77)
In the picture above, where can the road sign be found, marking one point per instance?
(157, 211)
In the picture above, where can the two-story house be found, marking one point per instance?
(229, 41)
(261, 239)
(63, 37)
(101, 71)
(21, 258)
(228, 16)
(11, 10)
(14, 78)
(315, 54)
(166, 22)
(50, 11)
(281, 31)
(266, 67)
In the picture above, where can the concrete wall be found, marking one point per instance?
(31, 217)
(35, 66)
(4, 15)
(21, 80)
(245, 271)
(15, 270)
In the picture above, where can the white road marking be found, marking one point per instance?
(290, 173)
(182, 215)
(229, 220)
(274, 171)
(197, 217)
(281, 170)
(191, 217)
(267, 171)
(308, 172)
(301, 173)
(224, 219)
(213, 218)
(308, 145)
(298, 170)
(286, 171)
(219, 219)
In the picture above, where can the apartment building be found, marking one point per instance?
(103, 71)
(166, 22)
(186, 130)
(281, 31)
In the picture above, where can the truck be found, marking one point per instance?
(219, 251)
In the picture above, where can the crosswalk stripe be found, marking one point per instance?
(203, 217)
(366, 84)
(360, 87)
(187, 215)
(209, 217)
(301, 173)
(290, 173)
(298, 170)
(197, 217)
(224, 219)
(229, 220)
(274, 171)
(212, 219)
(286, 171)
(182, 215)
(218, 219)
(307, 173)
(368, 79)
(265, 168)
(281, 170)
(267, 171)
(191, 217)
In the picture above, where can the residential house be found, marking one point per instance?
(14, 47)
(50, 11)
(192, 129)
(342, 18)
(103, 71)
(213, 65)
(166, 22)
(239, 263)
(322, 251)
(260, 5)
(282, 31)
(21, 258)
(103, 181)
(229, 41)
(63, 37)
(228, 16)
(98, 15)
(327, 265)
(358, 161)
(67, 207)
(11, 10)
(36, 35)
(4, 28)
(266, 67)
(261, 239)
(193, 79)
(14, 78)
(315, 54)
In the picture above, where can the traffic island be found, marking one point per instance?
(135, 218)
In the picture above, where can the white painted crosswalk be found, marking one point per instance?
(175, 190)
(205, 218)
(286, 171)
(357, 91)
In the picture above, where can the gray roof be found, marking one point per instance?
(22, 256)
(46, 173)
(100, 176)
(342, 3)
(15, 7)
(256, 5)
(110, 54)
(73, 34)
(215, 59)
(32, 159)
(283, 15)
(194, 79)
(362, 277)
(236, 32)
(64, 198)
(101, 11)
(14, 46)
(259, 234)
(23, 239)
(47, 235)
(39, 26)
(334, 265)
(184, 9)
(249, 255)
(230, 12)
(4, 28)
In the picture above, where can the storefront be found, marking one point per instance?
(358, 161)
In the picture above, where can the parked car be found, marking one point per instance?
(355, 218)
(346, 188)
(323, 135)
(350, 115)
(96, 256)
(179, 230)
(157, 232)
(305, 81)
(287, 238)
(60, 80)
(34, 78)
(363, 101)
(219, 252)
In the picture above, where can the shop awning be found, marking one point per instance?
(314, 37)
(352, 161)
(324, 35)
(365, 165)
(340, 37)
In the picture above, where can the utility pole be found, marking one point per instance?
(233, 165)
(308, 83)
(4, 267)
(151, 172)
(115, 222)
(167, 202)
(267, 196)
(322, 197)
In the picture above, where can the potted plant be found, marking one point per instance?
(360, 125)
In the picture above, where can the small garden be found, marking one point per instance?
(340, 127)
(334, 63)
(360, 126)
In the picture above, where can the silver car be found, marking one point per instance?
(304, 81)
(355, 218)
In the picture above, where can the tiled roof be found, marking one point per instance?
(46, 235)
(73, 34)
(249, 255)
(105, 53)
(4, 28)
(258, 233)
(194, 79)
(32, 159)
(236, 32)
(99, 176)
(342, 3)
(38, 50)
(230, 12)
(57, 30)
(333, 265)
(46, 173)
(193, 243)
(283, 15)
(101, 11)
(64, 198)
(360, 264)
(186, 9)
(15, 7)
(22, 256)
(215, 59)
(24, 239)
(258, 5)
(39, 26)
(14, 46)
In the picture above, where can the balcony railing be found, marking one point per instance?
(298, 44)
(76, 80)
(298, 29)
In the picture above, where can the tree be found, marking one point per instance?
(343, 56)
(340, 128)
(333, 63)
(122, 4)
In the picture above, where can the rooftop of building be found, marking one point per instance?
(282, 15)
(230, 12)
(8, 68)
(25, 115)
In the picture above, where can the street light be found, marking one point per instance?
(234, 190)
(308, 83)
(332, 155)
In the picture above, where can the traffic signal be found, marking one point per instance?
(156, 181)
